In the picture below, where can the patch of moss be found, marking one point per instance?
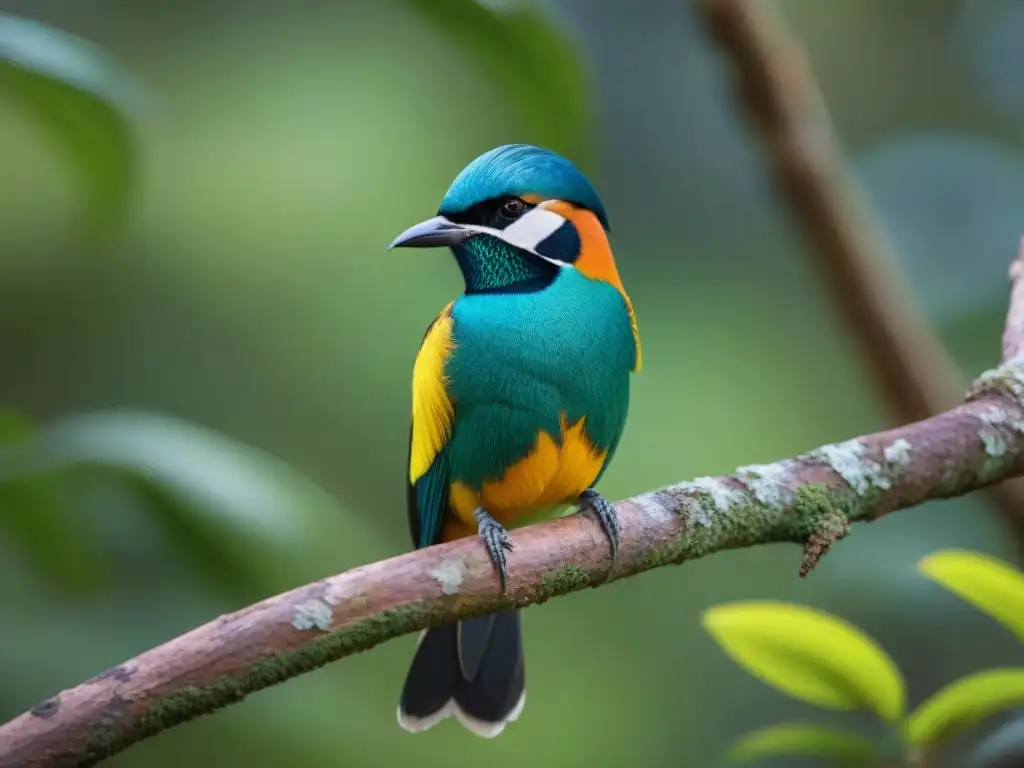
(1007, 379)
(568, 578)
(194, 701)
(814, 501)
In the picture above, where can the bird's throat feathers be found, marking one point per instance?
(490, 265)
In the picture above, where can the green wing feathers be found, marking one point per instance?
(433, 416)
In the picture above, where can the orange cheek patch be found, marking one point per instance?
(595, 259)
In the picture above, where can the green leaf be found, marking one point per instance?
(533, 62)
(809, 654)
(32, 517)
(964, 703)
(81, 98)
(197, 480)
(204, 541)
(986, 583)
(796, 739)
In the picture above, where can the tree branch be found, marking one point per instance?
(776, 87)
(810, 500)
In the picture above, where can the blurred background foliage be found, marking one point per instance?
(206, 348)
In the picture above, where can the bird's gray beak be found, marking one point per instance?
(431, 233)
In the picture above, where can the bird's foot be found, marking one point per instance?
(496, 538)
(604, 511)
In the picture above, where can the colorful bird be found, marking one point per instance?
(520, 392)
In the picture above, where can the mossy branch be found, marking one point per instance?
(775, 86)
(810, 500)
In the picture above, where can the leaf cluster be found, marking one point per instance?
(823, 660)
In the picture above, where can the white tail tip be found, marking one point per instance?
(474, 725)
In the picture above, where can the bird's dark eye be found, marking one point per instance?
(512, 209)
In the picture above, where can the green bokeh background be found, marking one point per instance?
(254, 296)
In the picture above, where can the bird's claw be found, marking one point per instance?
(497, 541)
(604, 511)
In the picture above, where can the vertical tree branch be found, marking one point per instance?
(912, 370)
(1013, 335)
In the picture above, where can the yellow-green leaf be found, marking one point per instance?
(965, 702)
(987, 583)
(83, 101)
(796, 739)
(809, 654)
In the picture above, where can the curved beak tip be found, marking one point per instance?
(437, 231)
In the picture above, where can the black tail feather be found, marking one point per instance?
(474, 671)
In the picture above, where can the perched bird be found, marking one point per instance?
(519, 398)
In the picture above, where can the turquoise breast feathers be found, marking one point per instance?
(521, 360)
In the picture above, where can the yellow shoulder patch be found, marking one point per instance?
(432, 409)
(638, 363)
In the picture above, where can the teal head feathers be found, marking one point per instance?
(514, 217)
(517, 170)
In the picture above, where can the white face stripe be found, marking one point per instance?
(532, 229)
(528, 231)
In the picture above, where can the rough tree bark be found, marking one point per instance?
(810, 500)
